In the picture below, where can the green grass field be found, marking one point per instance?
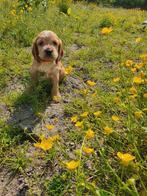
(94, 141)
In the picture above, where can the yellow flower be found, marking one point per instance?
(115, 118)
(133, 70)
(91, 83)
(133, 90)
(128, 63)
(125, 158)
(143, 56)
(85, 114)
(108, 130)
(68, 70)
(45, 144)
(116, 79)
(139, 65)
(88, 150)
(137, 80)
(71, 165)
(117, 100)
(138, 114)
(137, 40)
(74, 119)
(89, 134)
(97, 114)
(144, 109)
(106, 30)
(79, 124)
(49, 127)
(84, 91)
(145, 95)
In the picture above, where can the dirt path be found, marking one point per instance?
(24, 118)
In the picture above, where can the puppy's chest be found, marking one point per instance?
(45, 68)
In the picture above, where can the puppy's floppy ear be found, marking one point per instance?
(35, 51)
(60, 52)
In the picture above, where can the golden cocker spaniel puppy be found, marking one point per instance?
(47, 52)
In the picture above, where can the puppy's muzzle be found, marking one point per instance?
(48, 52)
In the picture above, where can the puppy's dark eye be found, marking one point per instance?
(55, 43)
(40, 43)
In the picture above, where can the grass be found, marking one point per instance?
(100, 59)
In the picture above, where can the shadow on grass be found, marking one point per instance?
(28, 111)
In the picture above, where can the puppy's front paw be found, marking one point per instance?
(56, 98)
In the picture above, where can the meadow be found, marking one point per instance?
(94, 141)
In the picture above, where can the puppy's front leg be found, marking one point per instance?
(34, 77)
(55, 87)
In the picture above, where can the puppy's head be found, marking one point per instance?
(47, 47)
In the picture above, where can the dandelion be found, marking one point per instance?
(137, 80)
(68, 70)
(138, 40)
(115, 118)
(89, 134)
(71, 165)
(108, 130)
(79, 124)
(138, 114)
(106, 30)
(49, 127)
(90, 83)
(97, 113)
(128, 63)
(85, 114)
(74, 119)
(133, 90)
(125, 158)
(116, 79)
(145, 95)
(88, 150)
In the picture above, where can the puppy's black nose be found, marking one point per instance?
(48, 52)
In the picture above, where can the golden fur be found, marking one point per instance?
(47, 52)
